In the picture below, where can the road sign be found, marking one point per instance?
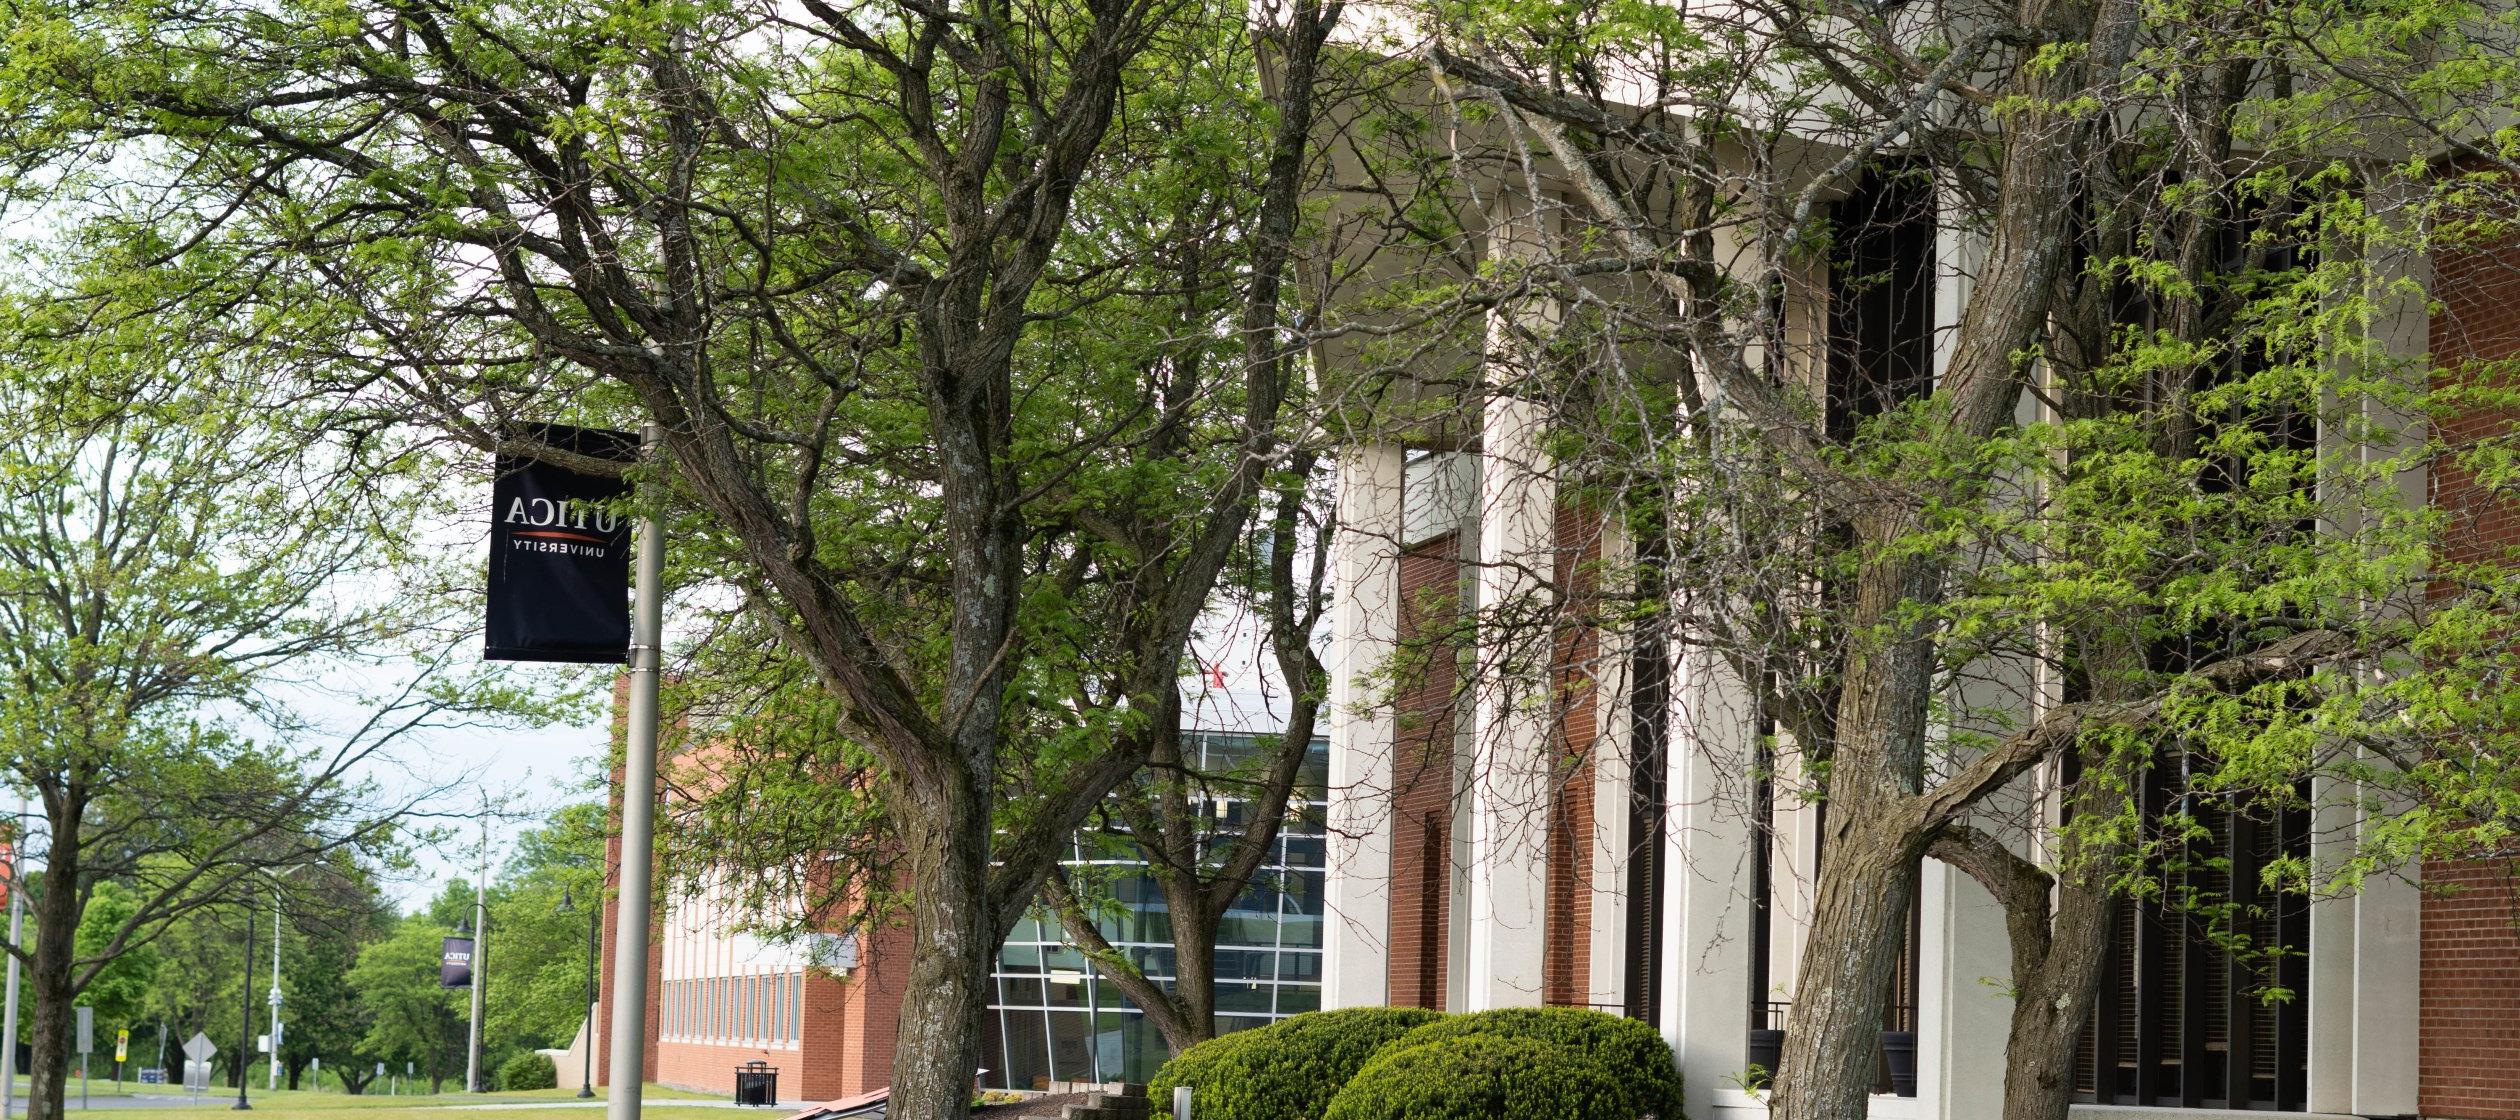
(262, 1044)
(199, 1047)
(87, 1028)
(122, 1045)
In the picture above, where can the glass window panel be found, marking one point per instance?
(1305, 851)
(1313, 779)
(1242, 996)
(1027, 1050)
(1228, 1024)
(1110, 997)
(1072, 1046)
(1141, 1047)
(1246, 964)
(1020, 958)
(1156, 961)
(1066, 989)
(1063, 959)
(1295, 999)
(1020, 991)
(1301, 925)
(1305, 967)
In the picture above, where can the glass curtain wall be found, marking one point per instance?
(1055, 1020)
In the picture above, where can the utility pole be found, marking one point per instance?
(480, 958)
(17, 921)
(638, 816)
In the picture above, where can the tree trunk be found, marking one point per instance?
(955, 935)
(1194, 961)
(2048, 1015)
(48, 978)
(1833, 1032)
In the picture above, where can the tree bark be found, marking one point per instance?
(1858, 923)
(956, 935)
(50, 984)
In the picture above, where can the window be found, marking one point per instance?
(2180, 1019)
(1055, 1018)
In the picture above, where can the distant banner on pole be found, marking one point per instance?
(560, 554)
(455, 963)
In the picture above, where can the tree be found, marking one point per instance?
(414, 1020)
(333, 916)
(1199, 856)
(970, 379)
(121, 988)
(175, 541)
(537, 963)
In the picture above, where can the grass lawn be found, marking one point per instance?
(306, 1104)
(316, 1107)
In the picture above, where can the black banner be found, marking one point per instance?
(455, 963)
(560, 554)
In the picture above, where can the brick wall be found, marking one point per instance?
(2470, 973)
(1565, 967)
(1422, 775)
(848, 1027)
(2470, 1047)
(602, 1034)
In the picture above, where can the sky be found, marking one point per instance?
(533, 768)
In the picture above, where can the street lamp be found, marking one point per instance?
(245, 1021)
(594, 919)
(276, 1028)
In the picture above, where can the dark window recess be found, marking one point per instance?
(1881, 297)
(2180, 1020)
(1646, 801)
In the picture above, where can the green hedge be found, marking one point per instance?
(1288, 1070)
(529, 1070)
(1482, 1077)
(1196, 1067)
(1630, 1051)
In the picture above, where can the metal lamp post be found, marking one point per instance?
(594, 924)
(245, 1021)
(274, 1067)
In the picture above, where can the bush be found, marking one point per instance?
(1631, 1052)
(1482, 1077)
(529, 1070)
(1287, 1070)
(1196, 1067)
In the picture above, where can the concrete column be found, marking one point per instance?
(1613, 754)
(1510, 780)
(1364, 627)
(1706, 888)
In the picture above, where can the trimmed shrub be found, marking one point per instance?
(1482, 1077)
(529, 1070)
(1287, 1070)
(1196, 1067)
(1631, 1052)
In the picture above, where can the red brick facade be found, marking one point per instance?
(1566, 958)
(1422, 774)
(1429, 706)
(2470, 1041)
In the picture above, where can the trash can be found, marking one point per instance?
(757, 1083)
